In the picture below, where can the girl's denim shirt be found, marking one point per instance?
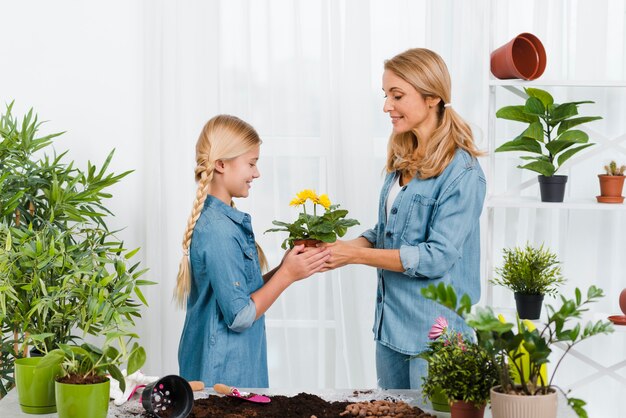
(435, 224)
(221, 342)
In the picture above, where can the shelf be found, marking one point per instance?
(558, 83)
(534, 202)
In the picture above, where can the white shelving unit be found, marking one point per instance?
(511, 198)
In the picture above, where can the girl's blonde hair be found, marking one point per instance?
(427, 73)
(223, 137)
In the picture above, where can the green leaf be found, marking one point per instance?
(136, 360)
(515, 113)
(534, 131)
(541, 167)
(570, 123)
(570, 153)
(545, 97)
(534, 107)
(527, 145)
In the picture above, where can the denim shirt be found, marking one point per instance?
(221, 342)
(435, 224)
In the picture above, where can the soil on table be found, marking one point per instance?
(303, 405)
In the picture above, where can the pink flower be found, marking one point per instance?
(438, 328)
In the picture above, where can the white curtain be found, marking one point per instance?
(144, 76)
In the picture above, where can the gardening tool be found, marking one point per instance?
(234, 392)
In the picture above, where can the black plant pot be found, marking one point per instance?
(528, 306)
(170, 396)
(552, 188)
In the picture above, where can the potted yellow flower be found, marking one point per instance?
(311, 228)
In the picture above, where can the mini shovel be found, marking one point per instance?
(234, 392)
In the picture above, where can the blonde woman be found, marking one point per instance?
(428, 216)
(219, 280)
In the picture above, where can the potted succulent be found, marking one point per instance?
(82, 389)
(62, 271)
(530, 273)
(460, 369)
(311, 228)
(535, 395)
(548, 138)
(612, 184)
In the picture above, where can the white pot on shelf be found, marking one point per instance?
(504, 405)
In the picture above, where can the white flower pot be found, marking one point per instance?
(517, 406)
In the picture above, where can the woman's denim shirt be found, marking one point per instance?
(435, 224)
(221, 342)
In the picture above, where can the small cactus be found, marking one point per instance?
(613, 170)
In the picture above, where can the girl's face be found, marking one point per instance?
(407, 107)
(239, 173)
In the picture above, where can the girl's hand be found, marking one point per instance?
(299, 264)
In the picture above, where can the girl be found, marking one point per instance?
(428, 216)
(223, 339)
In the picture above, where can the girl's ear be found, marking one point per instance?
(219, 166)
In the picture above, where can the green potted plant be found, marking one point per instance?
(82, 389)
(515, 346)
(311, 228)
(548, 138)
(460, 369)
(530, 273)
(611, 184)
(62, 270)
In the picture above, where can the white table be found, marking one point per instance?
(10, 408)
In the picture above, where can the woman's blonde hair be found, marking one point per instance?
(223, 137)
(427, 73)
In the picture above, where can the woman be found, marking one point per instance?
(428, 216)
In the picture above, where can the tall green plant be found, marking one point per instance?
(62, 270)
(549, 136)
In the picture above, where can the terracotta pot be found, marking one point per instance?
(307, 242)
(622, 301)
(522, 57)
(461, 409)
(611, 189)
(516, 406)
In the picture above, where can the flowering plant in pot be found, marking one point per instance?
(548, 138)
(504, 342)
(311, 227)
(458, 367)
(531, 273)
(611, 184)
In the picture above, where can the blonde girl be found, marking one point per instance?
(219, 279)
(428, 215)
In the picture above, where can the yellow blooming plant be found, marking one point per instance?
(325, 227)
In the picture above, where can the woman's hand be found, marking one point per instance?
(341, 253)
(299, 264)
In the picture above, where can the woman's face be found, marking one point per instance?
(407, 107)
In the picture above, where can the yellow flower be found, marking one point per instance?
(297, 202)
(324, 201)
(307, 194)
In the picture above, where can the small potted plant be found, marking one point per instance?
(535, 395)
(530, 273)
(612, 184)
(82, 389)
(548, 138)
(460, 369)
(311, 228)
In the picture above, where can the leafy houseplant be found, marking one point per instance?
(502, 340)
(548, 138)
(83, 385)
(612, 183)
(530, 273)
(61, 269)
(461, 369)
(325, 227)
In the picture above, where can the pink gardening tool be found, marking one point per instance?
(234, 392)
